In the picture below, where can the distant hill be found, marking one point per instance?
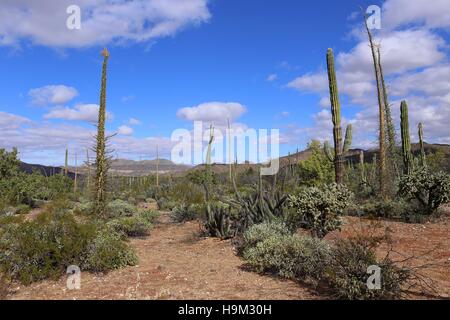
(125, 167)
(145, 167)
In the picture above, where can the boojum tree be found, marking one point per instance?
(101, 162)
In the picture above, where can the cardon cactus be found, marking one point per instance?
(339, 149)
(423, 157)
(406, 141)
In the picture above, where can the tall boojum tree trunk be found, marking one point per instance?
(382, 122)
(101, 161)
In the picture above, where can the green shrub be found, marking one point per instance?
(347, 273)
(119, 208)
(317, 170)
(429, 189)
(260, 232)
(165, 204)
(319, 209)
(290, 256)
(106, 252)
(35, 250)
(84, 207)
(135, 226)
(386, 208)
(40, 249)
(149, 215)
(183, 213)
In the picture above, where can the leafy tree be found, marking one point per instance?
(317, 170)
(9, 163)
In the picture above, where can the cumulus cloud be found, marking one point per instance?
(125, 130)
(310, 83)
(52, 95)
(81, 112)
(415, 65)
(43, 22)
(212, 112)
(272, 77)
(430, 14)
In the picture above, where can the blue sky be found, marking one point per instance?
(263, 59)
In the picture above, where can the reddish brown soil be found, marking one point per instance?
(175, 263)
(429, 243)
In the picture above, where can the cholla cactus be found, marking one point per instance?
(339, 150)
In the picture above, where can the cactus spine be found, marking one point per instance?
(406, 141)
(423, 157)
(101, 159)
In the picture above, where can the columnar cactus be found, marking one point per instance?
(66, 162)
(157, 166)
(101, 159)
(336, 115)
(406, 141)
(423, 157)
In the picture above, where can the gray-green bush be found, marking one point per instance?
(319, 209)
(429, 189)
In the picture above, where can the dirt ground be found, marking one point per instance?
(175, 263)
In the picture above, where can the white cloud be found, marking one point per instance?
(134, 122)
(272, 77)
(415, 65)
(81, 112)
(11, 121)
(310, 83)
(213, 112)
(43, 22)
(430, 14)
(125, 130)
(52, 95)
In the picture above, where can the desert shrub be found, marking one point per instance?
(6, 220)
(84, 207)
(35, 250)
(429, 189)
(347, 274)
(135, 226)
(385, 208)
(149, 215)
(260, 232)
(106, 252)
(317, 170)
(40, 249)
(10, 211)
(183, 213)
(290, 256)
(120, 208)
(166, 204)
(319, 209)
(4, 287)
